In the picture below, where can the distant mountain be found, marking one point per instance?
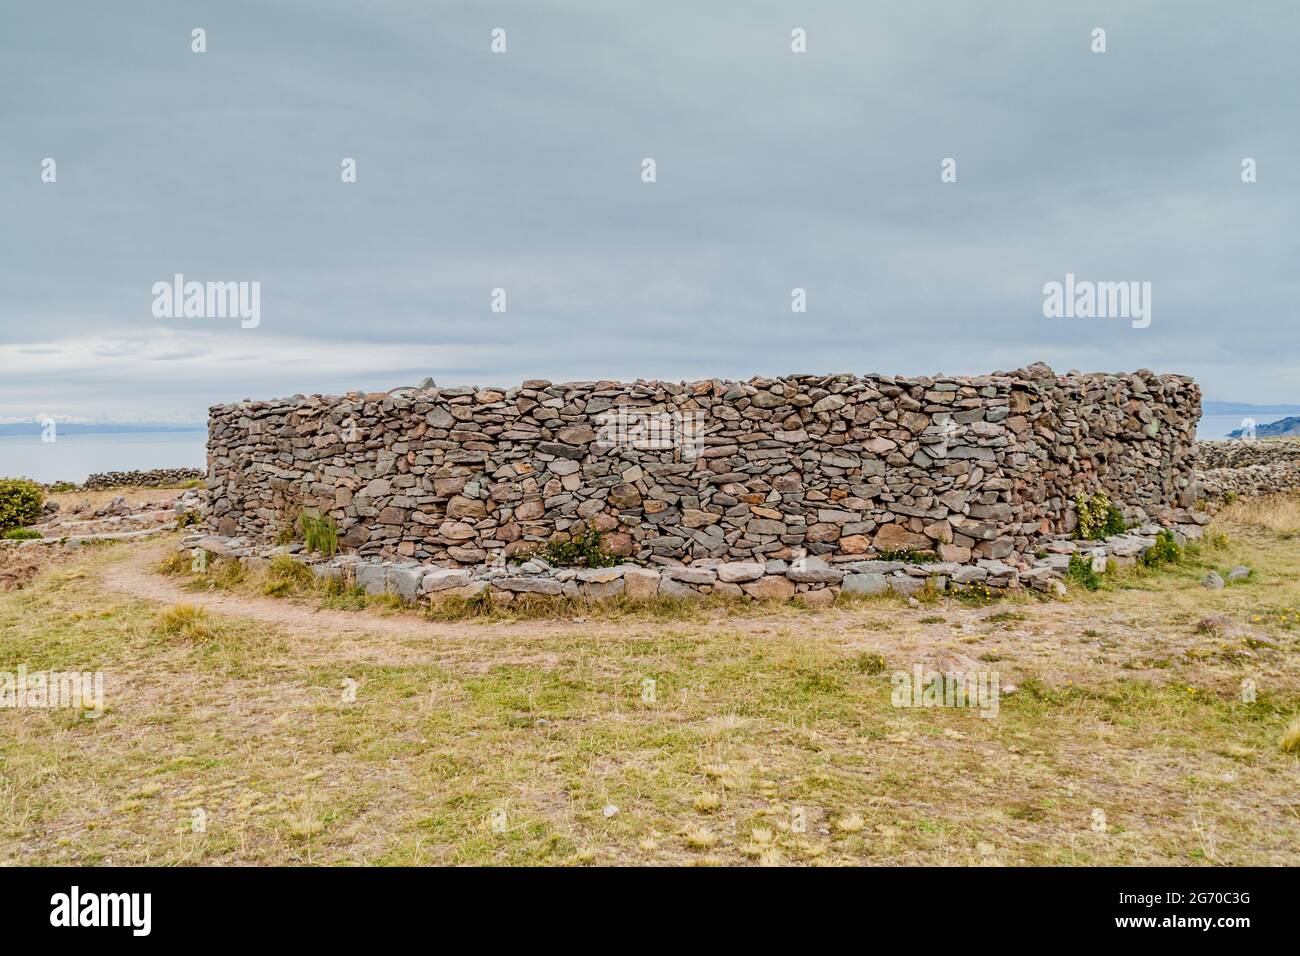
(1283, 428)
(100, 428)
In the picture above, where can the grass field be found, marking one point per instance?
(243, 728)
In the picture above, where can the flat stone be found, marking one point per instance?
(640, 583)
(865, 582)
(813, 570)
(532, 585)
(691, 575)
(905, 584)
(443, 578)
(819, 597)
(600, 590)
(740, 571)
(600, 575)
(894, 537)
(769, 588)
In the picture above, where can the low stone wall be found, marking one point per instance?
(157, 478)
(1248, 468)
(810, 580)
(848, 468)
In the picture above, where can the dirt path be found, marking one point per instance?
(137, 577)
(1035, 636)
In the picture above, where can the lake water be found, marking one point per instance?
(1218, 426)
(74, 457)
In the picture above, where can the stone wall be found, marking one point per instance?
(840, 466)
(156, 478)
(1248, 468)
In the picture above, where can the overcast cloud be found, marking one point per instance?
(523, 171)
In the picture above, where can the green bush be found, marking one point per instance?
(20, 502)
(1165, 551)
(907, 556)
(20, 534)
(1098, 518)
(1080, 572)
(581, 550)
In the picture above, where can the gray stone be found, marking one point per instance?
(735, 572)
(372, 578)
(867, 582)
(443, 578)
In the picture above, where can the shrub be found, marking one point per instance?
(582, 549)
(20, 502)
(21, 534)
(872, 663)
(187, 519)
(907, 556)
(1080, 572)
(1165, 551)
(1098, 518)
(975, 594)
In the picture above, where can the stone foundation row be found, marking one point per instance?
(810, 579)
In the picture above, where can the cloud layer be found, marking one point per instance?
(522, 171)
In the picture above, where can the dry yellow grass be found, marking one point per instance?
(1279, 513)
(97, 499)
(1291, 738)
(256, 729)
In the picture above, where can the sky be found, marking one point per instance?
(775, 170)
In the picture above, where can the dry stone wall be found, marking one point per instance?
(1248, 468)
(843, 467)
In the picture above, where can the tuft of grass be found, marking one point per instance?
(1291, 736)
(872, 664)
(460, 608)
(320, 533)
(178, 562)
(21, 534)
(185, 621)
(223, 574)
(341, 595)
(1003, 617)
(975, 594)
(287, 576)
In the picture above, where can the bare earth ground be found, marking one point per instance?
(232, 734)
